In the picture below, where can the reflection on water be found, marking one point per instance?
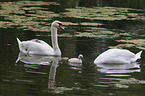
(33, 62)
(118, 68)
(36, 59)
(115, 73)
(52, 87)
(75, 66)
(52, 73)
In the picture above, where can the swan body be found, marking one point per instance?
(40, 47)
(117, 56)
(76, 60)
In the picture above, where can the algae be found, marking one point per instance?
(23, 14)
(35, 16)
(103, 13)
(126, 83)
(121, 86)
(137, 43)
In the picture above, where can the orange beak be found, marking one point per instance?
(61, 27)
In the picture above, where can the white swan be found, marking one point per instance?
(117, 56)
(40, 47)
(76, 60)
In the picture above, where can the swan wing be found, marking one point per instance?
(40, 42)
(36, 47)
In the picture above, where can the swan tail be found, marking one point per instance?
(137, 56)
(19, 43)
(18, 40)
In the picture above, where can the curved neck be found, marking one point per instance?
(79, 57)
(54, 40)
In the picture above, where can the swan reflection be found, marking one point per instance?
(36, 59)
(115, 73)
(32, 64)
(52, 73)
(118, 68)
(51, 81)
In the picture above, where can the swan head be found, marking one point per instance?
(57, 24)
(80, 56)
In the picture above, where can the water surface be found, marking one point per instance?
(91, 28)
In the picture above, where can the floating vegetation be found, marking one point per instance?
(61, 89)
(121, 86)
(88, 34)
(23, 14)
(121, 46)
(103, 13)
(82, 23)
(138, 43)
(36, 3)
(132, 81)
(126, 83)
(95, 33)
(35, 16)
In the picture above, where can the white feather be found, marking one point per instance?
(76, 60)
(40, 47)
(117, 56)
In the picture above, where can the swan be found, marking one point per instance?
(117, 56)
(39, 47)
(76, 60)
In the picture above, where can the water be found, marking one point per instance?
(25, 75)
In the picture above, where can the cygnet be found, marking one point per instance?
(76, 60)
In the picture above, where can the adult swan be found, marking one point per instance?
(117, 56)
(40, 47)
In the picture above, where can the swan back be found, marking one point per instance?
(117, 56)
(33, 47)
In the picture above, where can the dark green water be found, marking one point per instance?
(90, 35)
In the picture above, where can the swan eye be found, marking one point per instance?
(59, 23)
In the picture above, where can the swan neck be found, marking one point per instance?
(80, 57)
(54, 39)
